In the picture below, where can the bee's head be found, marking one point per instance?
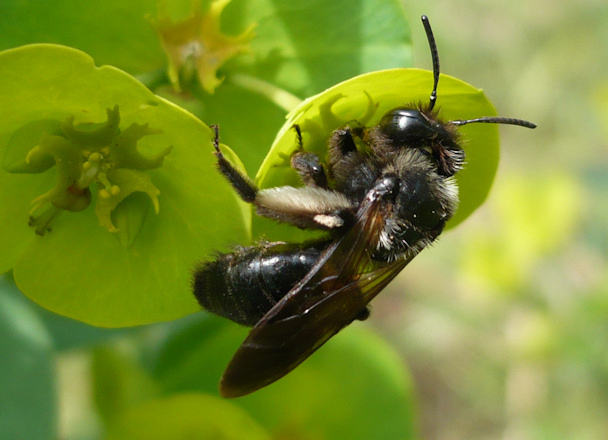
(417, 126)
(411, 127)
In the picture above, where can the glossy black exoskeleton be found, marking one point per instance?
(250, 281)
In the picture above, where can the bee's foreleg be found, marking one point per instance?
(307, 165)
(242, 184)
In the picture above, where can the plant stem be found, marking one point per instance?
(280, 97)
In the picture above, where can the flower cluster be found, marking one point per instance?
(84, 155)
(196, 47)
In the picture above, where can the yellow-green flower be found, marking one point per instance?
(85, 155)
(196, 46)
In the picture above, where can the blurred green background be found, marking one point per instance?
(505, 321)
(502, 325)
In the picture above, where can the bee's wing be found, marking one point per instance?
(328, 298)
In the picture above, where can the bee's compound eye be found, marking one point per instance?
(406, 127)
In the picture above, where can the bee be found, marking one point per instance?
(384, 194)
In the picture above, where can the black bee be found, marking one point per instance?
(384, 194)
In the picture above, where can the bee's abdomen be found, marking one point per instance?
(244, 285)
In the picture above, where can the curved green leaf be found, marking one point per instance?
(301, 47)
(305, 47)
(356, 376)
(365, 99)
(80, 269)
(113, 31)
(190, 416)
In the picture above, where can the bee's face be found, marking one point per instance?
(410, 127)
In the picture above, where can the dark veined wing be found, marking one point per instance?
(327, 299)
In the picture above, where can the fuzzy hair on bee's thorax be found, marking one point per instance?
(424, 201)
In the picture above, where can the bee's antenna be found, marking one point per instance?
(495, 120)
(435, 58)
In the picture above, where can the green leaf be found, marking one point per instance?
(80, 269)
(194, 355)
(70, 334)
(356, 98)
(22, 142)
(301, 47)
(113, 31)
(355, 376)
(306, 47)
(248, 121)
(28, 407)
(118, 383)
(190, 416)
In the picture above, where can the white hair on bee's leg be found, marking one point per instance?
(330, 221)
(305, 206)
